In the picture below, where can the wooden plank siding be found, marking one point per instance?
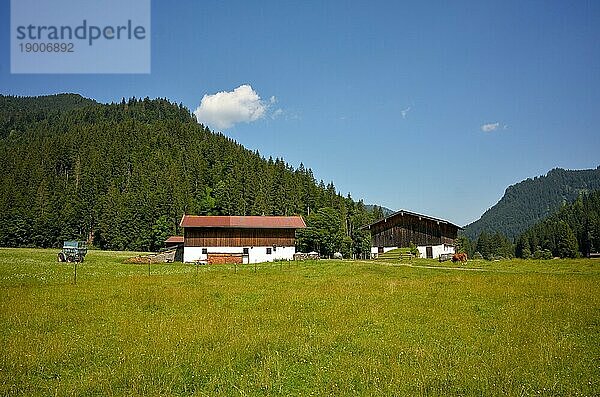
(402, 230)
(239, 237)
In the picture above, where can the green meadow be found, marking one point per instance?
(517, 328)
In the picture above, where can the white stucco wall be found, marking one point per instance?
(255, 254)
(375, 250)
(437, 250)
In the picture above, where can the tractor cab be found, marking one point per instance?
(72, 251)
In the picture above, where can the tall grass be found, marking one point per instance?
(311, 328)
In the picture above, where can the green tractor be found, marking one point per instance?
(72, 251)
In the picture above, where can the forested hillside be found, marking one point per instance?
(528, 202)
(572, 231)
(16, 113)
(122, 175)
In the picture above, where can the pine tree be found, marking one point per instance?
(566, 243)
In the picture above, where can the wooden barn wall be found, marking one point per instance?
(224, 237)
(401, 231)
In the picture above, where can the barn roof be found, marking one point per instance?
(244, 222)
(174, 239)
(414, 214)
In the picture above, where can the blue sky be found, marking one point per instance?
(434, 107)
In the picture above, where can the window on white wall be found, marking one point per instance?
(269, 251)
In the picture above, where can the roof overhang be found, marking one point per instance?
(174, 239)
(413, 214)
(243, 222)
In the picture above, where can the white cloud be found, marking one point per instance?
(277, 113)
(404, 112)
(225, 109)
(490, 127)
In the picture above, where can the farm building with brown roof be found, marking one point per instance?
(432, 236)
(239, 239)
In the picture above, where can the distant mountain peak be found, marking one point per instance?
(384, 210)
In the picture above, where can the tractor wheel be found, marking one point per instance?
(70, 258)
(61, 257)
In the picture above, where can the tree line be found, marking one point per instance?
(121, 175)
(572, 231)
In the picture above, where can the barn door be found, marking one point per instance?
(429, 252)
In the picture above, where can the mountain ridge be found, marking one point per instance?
(528, 202)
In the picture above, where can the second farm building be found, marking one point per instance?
(432, 236)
